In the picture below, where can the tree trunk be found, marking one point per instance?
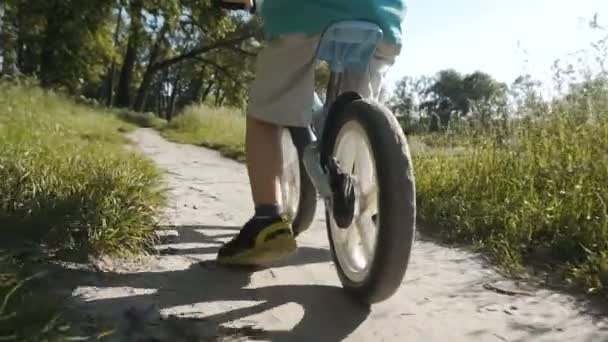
(48, 59)
(159, 94)
(112, 71)
(123, 96)
(162, 105)
(3, 37)
(142, 91)
(8, 39)
(218, 90)
(27, 57)
(434, 125)
(19, 58)
(174, 95)
(445, 116)
(195, 87)
(207, 91)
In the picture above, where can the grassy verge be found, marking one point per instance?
(67, 186)
(538, 198)
(146, 120)
(220, 129)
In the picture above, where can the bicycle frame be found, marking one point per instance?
(346, 46)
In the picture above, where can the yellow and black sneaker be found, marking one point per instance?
(263, 240)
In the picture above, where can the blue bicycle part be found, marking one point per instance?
(346, 46)
(349, 45)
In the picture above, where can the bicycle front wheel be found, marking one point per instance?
(372, 253)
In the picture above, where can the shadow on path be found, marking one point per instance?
(198, 303)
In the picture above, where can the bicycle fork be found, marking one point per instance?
(309, 145)
(330, 181)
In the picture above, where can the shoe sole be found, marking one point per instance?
(278, 248)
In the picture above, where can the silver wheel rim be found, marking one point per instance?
(290, 177)
(355, 247)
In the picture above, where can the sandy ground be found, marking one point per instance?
(181, 295)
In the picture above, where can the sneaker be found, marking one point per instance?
(262, 240)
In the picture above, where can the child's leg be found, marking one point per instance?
(281, 95)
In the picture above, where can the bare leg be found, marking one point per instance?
(264, 164)
(264, 161)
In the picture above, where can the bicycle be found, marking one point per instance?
(356, 157)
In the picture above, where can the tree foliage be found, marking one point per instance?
(155, 55)
(449, 96)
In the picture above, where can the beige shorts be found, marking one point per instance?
(282, 92)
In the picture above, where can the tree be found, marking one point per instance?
(136, 32)
(455, 95)
(125, 52)
(402, 102)
(202, 32)
(487, 98)
(75, 43)
(62, 42)
(525, 97)
(447, 96)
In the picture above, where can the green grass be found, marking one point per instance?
(68, 186)
(221, 129)
(66, 178)
(145, 120)
(539, 198)
(534, 197)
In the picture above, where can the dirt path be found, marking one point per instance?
(180, 295)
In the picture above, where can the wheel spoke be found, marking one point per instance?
(368, 203)
(353, 239)
(347, 153)
(364, 230)
(355, 169)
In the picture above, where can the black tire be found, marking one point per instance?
(307, 207)
(396, 198)
(307, 203)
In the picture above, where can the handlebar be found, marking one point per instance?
(234, 5)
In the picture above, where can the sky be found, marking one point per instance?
(495, 36)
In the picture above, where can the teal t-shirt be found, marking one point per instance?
(313, 16)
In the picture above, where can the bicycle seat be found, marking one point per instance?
(349, 44)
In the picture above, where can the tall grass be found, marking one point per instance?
(67, 186)
(538, 198)
(66, 179)
(218, 128)
(145, 120)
